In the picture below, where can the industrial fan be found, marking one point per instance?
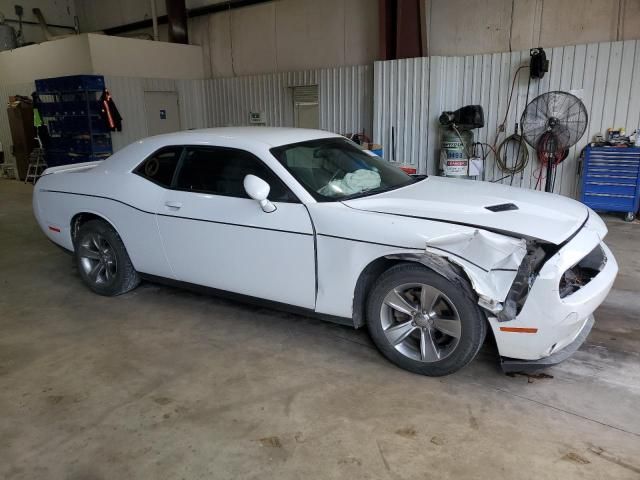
(552, 123)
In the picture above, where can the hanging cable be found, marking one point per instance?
(501, 126)
(464, 145)
(522, 144)
(520, 160)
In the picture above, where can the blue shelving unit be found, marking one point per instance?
(70, 107)
(611, 179)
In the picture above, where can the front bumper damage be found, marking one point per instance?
(556, 321)
(527, 366)
(536, 322)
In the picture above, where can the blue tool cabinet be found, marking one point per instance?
(70, 107)
(611, 179)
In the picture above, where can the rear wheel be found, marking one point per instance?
(422, 322)
(102, 260)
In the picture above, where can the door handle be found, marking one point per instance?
(174, 205)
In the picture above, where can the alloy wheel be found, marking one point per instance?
(420, 322)
(98, 259)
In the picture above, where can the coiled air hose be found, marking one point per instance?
(522, 157)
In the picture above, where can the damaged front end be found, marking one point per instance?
(501, 269)
(583, 272)
(546, 291)
(523, 281)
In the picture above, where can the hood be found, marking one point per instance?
(533, 214)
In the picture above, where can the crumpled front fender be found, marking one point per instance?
(490, 261)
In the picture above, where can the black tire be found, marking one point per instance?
(460, 350)
(122, 277)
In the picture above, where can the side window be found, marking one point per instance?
(160, 167)
(221, 171)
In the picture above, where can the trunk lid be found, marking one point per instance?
(73, 167)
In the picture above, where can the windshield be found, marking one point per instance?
(337, 169)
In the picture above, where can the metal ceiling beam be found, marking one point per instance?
(400, 29)
(194, 12)
(177, 21)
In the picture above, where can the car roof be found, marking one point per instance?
(269, 136)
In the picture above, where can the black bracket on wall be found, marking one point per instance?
(539, 65)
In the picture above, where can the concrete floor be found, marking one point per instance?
(162, 383)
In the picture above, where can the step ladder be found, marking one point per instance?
(37, 165)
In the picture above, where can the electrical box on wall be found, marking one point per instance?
(256, 118)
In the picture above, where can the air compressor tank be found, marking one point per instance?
(455, 148)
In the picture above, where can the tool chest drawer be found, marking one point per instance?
(611, 179)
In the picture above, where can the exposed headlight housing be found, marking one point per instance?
(582, 272)
(522, 283)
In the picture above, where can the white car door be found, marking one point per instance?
(214, 235)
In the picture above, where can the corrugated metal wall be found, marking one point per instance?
(191, 95)
(128, 94)
(409, 95)
(345, 98)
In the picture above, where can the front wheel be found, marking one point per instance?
(422, 322)
(102, 260)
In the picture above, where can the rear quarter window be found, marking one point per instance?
(160, 167)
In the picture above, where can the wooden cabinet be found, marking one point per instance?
(22, 135)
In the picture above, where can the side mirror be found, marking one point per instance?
(258, 189)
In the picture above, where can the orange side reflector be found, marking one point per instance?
(519, 329)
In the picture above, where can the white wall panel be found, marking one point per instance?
(402, 102)
(128, 94)
(191, 95)
(411, 94)
(345, 98)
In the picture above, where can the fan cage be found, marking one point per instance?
(556, 113)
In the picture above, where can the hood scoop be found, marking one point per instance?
(502, 207)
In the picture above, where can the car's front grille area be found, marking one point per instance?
(583, 272)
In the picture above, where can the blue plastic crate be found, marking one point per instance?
(71, 109)
(70, 83)
(48, 109)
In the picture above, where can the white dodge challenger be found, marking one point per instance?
(305, 219)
